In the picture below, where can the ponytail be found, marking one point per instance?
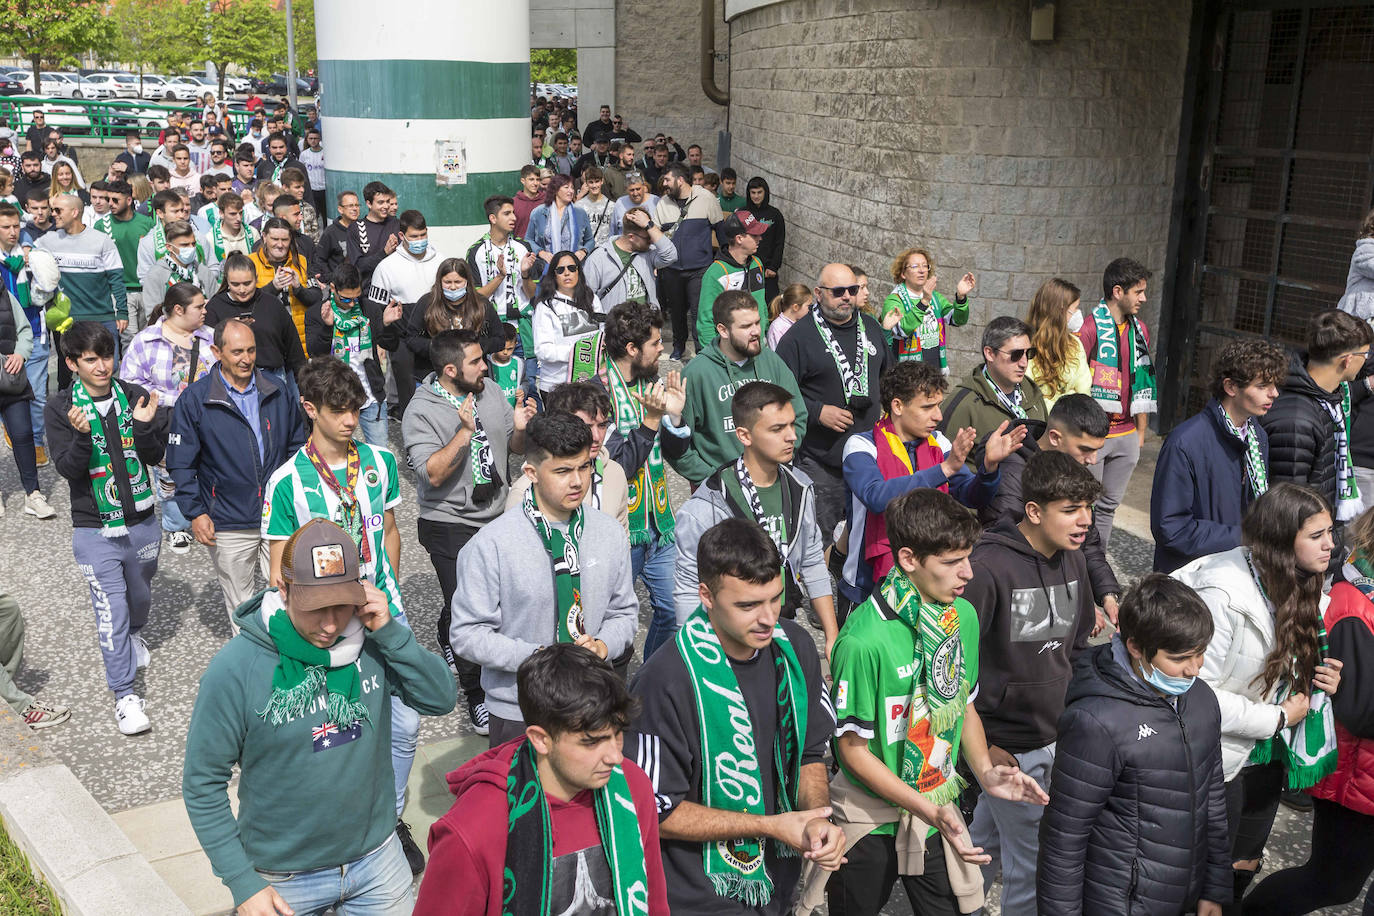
(179, 294)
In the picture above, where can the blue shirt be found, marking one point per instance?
(247, 403)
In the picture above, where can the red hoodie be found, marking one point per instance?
(524, 206)
(467, 846)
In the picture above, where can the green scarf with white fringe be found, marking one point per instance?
(304, 670)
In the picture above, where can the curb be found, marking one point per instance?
(69, 839)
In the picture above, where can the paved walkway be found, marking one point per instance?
(138, 779)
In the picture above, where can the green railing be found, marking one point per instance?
(105, 119)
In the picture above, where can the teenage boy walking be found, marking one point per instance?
(905, 672)
(1033, 595)
(571, 583)
(356, 486)
(732, 729)
(761, 486)
(1215, 463)
(1138, 767)
(588, 843)
(106, 436)
(299, 701)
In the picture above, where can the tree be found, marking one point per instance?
(303, 18)
(553, 65)
(54, 31)
(154, 33)
(245, 32)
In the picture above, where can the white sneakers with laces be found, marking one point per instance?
(36, 505)
(141, 653)
(130, 716)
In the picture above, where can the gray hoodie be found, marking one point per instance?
(709, 505)
(603, 265)
(504, 607)
(430, 423)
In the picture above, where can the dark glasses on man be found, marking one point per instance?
(838, 291)
(1016, 356)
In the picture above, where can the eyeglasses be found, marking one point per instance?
(838, 291)
(1016, 356)
(345, 300)
(565, 269)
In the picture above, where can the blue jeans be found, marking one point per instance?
(656, 563)
(378, 884)
(287, 381)
(373, 421)
(17, 425)
(37, 370)
(405, 738)
(172, 517)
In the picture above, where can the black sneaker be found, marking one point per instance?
(414, 857)
(1296, 799)
(477, 712)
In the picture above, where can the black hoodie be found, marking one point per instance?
(771, 242)
(1034, 614)
(1137, 815)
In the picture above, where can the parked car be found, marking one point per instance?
(59, 85)
(10, 84)
(186, 88)
(277, 85)
(117, 85)
(71, 118)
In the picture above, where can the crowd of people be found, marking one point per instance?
(230, 359)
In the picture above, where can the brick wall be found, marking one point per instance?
(657, 71)
(881, 124)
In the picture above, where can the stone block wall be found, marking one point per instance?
(881, 124)
(658, 71)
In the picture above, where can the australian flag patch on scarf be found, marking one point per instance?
(328, 735)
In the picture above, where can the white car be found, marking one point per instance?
(187, 88)
(236, 84)
(59, 85)
(115, 85)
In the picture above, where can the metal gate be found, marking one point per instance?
(1280, 183)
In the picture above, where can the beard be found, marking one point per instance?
(836, 315)
(476, 387)
(747, 346)
(644, 373)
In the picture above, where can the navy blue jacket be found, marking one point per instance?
(1200, 492)
(212, 454)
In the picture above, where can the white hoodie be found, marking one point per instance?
(403, 277)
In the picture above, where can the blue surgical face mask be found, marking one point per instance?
(418, 246)
(453, 295)
(187, 254)
(1167, 683)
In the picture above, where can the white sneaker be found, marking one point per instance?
(130, 715)
(35, 504)
(179, 542)
(141, 654)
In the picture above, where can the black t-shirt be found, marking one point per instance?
(665, 740)
(274, 330)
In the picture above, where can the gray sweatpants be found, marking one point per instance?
(1010, 831)
(120, 573)
(1115, 462)
(11, 653)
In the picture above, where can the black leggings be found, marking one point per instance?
(1341, 861)
(1252, 800)
(862, 885)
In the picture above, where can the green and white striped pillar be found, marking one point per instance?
(397, 79)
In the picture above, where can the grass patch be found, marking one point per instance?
(21, 892)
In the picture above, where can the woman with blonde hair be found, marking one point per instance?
(1059, 366)
(64, 181)
(786, 309)
(915, 315)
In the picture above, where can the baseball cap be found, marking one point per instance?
(737, 223)
(320, 564)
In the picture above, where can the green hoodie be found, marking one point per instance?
(711, 381)
(302, 803)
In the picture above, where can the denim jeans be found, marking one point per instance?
(378, 884)
(405, 738)
(172, 517)
(372, 419)
(18, 425)
(656, 563)
(37, 370)
(284, 378)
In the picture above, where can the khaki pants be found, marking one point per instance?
(238, 574)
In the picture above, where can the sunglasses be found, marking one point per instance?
(565, 269)
(345, 300)
(838, 291)
(1016, 356)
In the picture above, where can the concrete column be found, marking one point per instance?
(399, 78)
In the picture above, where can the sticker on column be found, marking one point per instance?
(450, 163)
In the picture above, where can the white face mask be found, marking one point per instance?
(1076, 320)
(136, 148)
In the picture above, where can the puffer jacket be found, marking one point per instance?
(1137, 817)
(1302, 438)
(1350, 626)
(1243, 634)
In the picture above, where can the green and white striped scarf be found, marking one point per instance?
(649, 509)
(730, 778)
(104, 484)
